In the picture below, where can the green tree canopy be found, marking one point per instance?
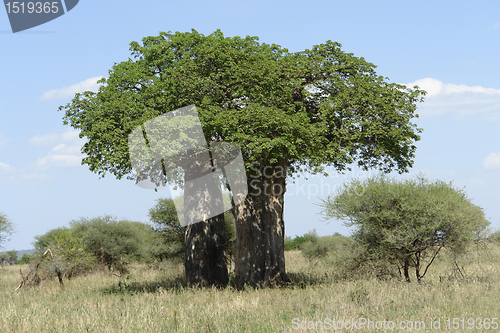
(164, 218)
(70, 258)
(316, 107)
(407, 222)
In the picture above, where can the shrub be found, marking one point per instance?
(407, 223)
(25, 259)
(295, 243)
(101, 240)
(70, 256)
(319, 247)
(113, 243)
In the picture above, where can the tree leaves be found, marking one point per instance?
(314, 108)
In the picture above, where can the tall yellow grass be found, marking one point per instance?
(152, 300)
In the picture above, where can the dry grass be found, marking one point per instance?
(152, 300)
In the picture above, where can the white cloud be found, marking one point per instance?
(495, 25)
(66, 149)
(435, 87)
(458, 99)
(61, 156)
(22, 177)
(53, 138)
(6, 167)
(70, 91)
(42, 140)
(431, 86)
(492, 161)
(3, 140)
(12, 176)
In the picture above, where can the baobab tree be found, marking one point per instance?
(288, 112)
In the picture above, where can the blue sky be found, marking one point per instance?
(449, 48)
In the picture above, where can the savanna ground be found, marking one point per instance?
(155, 299)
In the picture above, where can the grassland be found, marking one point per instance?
(155, 300)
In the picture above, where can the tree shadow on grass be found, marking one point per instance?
(171, 285)
(178, 284)
(305, 279)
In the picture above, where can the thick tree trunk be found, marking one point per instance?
(260, 230)
(204, 262)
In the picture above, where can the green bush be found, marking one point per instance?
(115, 243)
(406, 223)
(101, 240)
(344, 256)
(70, 256)
(495, 237)
(3, 259)
(295, 243)
(25, 259)
(320, 247)
(9, 257)
(299, 241)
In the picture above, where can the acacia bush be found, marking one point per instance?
(9, 257)
(25, 259)
(115, 243)
(403, 224)
(70, 258)
(3, 259)
(494, 237)
(102, 241)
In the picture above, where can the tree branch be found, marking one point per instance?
(433, 257)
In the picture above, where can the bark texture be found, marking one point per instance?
(260, 230)
(204, 262)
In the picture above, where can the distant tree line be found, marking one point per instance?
(8, 258)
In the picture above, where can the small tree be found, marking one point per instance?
(69, 258)
(12, 257)
(164, 218)
(408, 222)
(25, 259)
(75, 250)
(6, 228)
(42, 242)
(114, 243)
(3, 259)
